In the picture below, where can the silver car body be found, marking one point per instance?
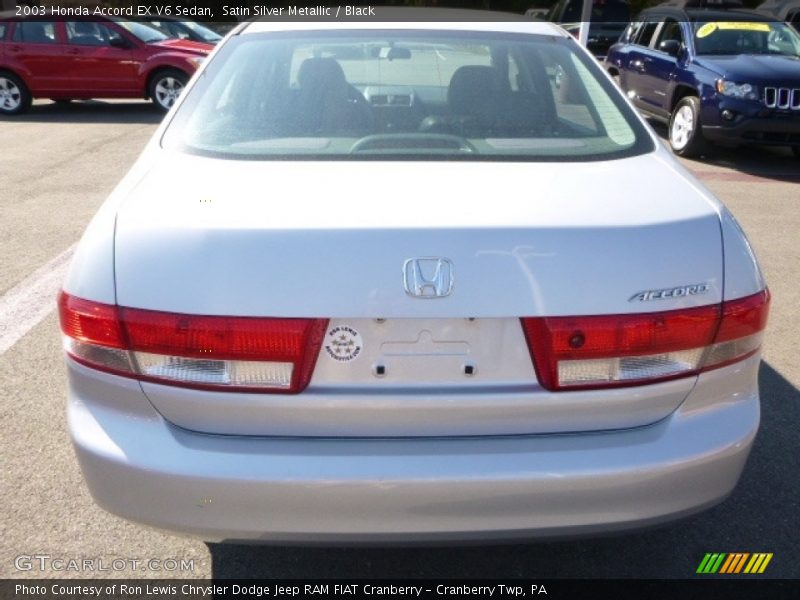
(424, 451)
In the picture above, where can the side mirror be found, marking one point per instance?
(119, 42)
(671, 47)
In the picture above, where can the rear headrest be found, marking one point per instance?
(316, 73)
(473, 90)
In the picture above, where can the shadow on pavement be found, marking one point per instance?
(89, 111)
(760, 516)
(765, 162)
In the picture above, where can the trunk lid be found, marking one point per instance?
(330, 240)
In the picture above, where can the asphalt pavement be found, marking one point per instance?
(59, 164)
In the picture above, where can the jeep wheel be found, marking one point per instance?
(166, 86)
(685, 133)
(14, 95)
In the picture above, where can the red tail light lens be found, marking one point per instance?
(207, 352)
(93, 322)
(619, 350)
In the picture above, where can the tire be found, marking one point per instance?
(165, 87)
(685, 132)
(15, 98)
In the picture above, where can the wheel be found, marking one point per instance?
(14, 95)
(685, 133)
(166, 86)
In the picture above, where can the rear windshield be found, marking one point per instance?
(740, 37)
(405, 94)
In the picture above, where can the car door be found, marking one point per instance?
(659, 71)
(633, 64)
(100, 57)
(35, 49)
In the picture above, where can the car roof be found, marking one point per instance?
(436, 19)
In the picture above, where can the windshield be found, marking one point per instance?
(405, 94)
(746, 38)
(144, 32)
(204, 32)
(185, 30)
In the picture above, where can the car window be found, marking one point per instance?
(631, 31)
(670, 31)
(144, 32)
(170, 28)
(645, 33)
(739, 37)
(35, 32)
(428, 95)
(204, 32)
(2, 30)
(88, 33)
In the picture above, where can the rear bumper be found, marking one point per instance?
(142, 468)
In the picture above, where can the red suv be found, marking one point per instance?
(81, 59)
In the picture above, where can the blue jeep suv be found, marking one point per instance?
(728, 77)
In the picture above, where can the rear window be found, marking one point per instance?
(88, 33)
(405, 94)
(644, 33)
(35, 32)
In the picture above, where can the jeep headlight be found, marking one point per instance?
(743, 91)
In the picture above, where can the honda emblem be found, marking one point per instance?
(428, 277)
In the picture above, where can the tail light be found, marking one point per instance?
(205, 352)
(619, 350)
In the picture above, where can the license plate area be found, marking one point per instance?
(424, 352)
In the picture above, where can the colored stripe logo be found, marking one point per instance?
(734, 563)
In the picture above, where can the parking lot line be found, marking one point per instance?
(30, 301)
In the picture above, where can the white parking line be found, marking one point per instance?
(26, 304)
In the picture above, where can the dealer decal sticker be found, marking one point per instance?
(710, 28)
(343, 343)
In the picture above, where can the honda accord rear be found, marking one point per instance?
(419, 281)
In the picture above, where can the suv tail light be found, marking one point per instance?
(634, 349)
(205, 352)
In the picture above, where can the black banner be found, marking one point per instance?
(174, 589)
(234, 11)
